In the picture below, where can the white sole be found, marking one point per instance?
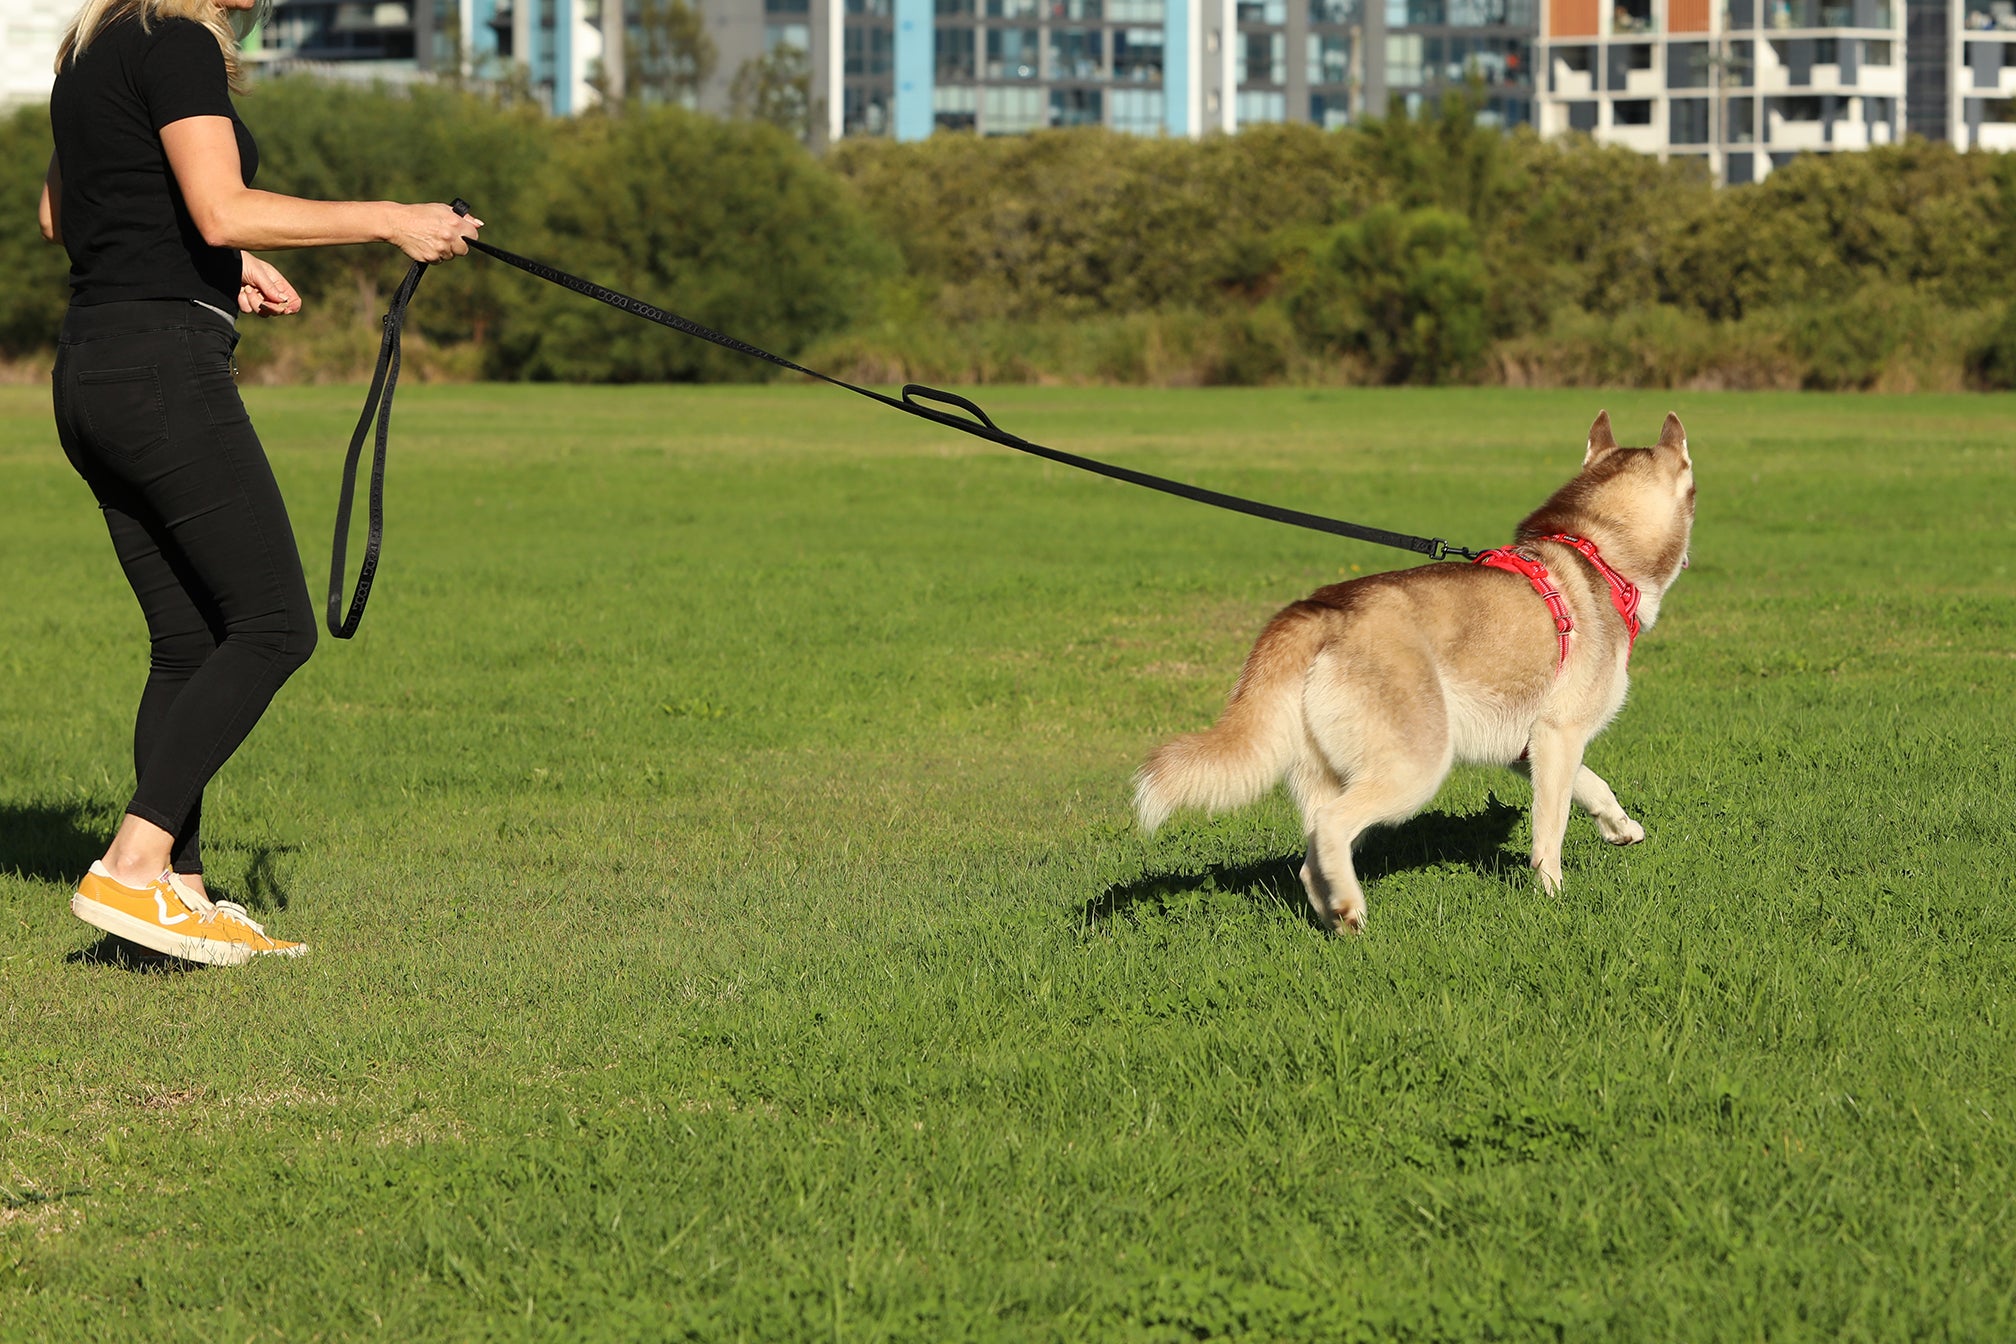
(152, 936)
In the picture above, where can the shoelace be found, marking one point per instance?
(233, 910)
(206, 909)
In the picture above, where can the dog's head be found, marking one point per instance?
(1636, 504)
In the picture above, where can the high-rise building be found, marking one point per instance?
(1741, 86)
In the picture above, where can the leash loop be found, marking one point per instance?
(915, 394)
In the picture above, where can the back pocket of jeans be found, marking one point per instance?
(123, 410)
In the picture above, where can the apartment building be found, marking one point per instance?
(1740, 85)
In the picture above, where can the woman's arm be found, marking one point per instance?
(50, 213)
(203, 153)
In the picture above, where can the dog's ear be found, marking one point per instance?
(1600, 441)
(1673, 437)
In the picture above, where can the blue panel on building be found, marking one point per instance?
(563, 57)
(914, 63)
(1176, 41)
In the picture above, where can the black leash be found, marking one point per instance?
(974, 421)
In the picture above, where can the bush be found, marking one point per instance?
(1403, 290)
(731, 224)
(34, 277)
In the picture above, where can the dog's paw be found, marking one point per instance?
(1623, 831)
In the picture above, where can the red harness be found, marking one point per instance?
(1623, 592)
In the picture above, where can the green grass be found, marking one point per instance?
(727, 923)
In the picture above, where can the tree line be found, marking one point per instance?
(1406, 250)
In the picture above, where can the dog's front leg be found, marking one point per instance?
(1599, 802)
(1556, 760)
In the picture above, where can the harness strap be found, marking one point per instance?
(1624, 594)
(1535, 573)
(926, 403)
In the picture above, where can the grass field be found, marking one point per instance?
(727, 922)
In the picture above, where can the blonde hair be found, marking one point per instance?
(229, 28)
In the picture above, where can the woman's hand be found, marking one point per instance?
(266, 292)
(432, 232)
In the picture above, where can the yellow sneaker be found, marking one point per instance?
(170, 916)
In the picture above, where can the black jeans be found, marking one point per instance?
(148, 412)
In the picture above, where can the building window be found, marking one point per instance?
(868, 51)
(954, 109)
(1262, 11)
(1687, 65)
(1582, 116)
(776, 36)
(1265, 58)
(1256, 108)
(1137, 110)
(1403, 60)
(1074, 11)
(1878, 53)
(871, 8)
(954, 48)
(1688, 121)
(1631, 112)
(1013, 9)
(1338, 13)
(1742, 65)
(1330, 111)
(1626, 57)
(1077, 53)
(864, 111)
(1011, 54)
(1329, 59)
(1012, 111)
(1075, 107)
(1134, 11)
(1137, 55)
(1740, 125)
(1631, 16)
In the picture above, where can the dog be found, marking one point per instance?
(1365, 694)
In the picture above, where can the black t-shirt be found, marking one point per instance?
(125, 226)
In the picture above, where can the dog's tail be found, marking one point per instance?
(1241, 756)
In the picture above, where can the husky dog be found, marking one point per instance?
(1364, 694)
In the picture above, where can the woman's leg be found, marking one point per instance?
(154, 423)
(181, 637)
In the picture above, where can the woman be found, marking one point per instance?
(150, 191)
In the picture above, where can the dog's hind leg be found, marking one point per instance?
(1328, 874)
(1378, 721)
(1595, 798)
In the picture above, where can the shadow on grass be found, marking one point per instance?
(51, 842)
(1477, 840)
(121, 955)
(58, 842)
(262, 890)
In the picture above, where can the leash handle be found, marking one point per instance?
(378, 405)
